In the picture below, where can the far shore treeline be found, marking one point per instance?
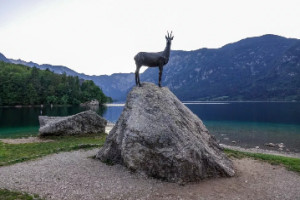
(22, 85)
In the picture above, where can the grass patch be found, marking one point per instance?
(15, 153)
(292, 164)
(14, 195)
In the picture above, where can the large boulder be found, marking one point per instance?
(159, 136)
(87, 122)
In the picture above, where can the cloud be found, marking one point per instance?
(102, 37)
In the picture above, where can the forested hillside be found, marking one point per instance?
(22, 85)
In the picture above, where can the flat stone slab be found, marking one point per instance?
(87, 122)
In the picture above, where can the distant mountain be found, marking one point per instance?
(58, 69)
(3, 58)
(116, 85)
(257, 68)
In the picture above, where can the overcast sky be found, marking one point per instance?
(102, 36)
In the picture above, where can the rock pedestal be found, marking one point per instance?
(87, 122)
(159, 136)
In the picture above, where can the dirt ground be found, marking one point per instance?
(75, 175)
(24, 140)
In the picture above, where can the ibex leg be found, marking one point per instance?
(159, 77)
(137, 76)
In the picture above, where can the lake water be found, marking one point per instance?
(249, 124)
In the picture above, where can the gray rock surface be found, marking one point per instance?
(158, 136)
(87, 122)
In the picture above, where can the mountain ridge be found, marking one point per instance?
(236, 71)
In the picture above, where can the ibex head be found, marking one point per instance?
(169, 37)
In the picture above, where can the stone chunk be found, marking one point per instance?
(270, 144)
(159, 136)
(94, 102)
(87, 122)
(91, 105)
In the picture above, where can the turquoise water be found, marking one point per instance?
(252, 134)
(249, 124)
(252, 124)
(18, 131)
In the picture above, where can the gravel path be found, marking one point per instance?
(74, 175)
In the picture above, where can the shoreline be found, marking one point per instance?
(224, 146)
(110, 125)
(239, 148)
(262, 151)
(121, 103)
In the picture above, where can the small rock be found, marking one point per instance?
(280, 149)
(270, 144)
(221, 147)
(226, 138)
(257, 147)
(234, 142)
(281, 145)
(90, 103)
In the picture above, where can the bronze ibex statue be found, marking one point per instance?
(158, 59)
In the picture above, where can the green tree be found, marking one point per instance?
(64, 100)
(32, 96)
(52, 100)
